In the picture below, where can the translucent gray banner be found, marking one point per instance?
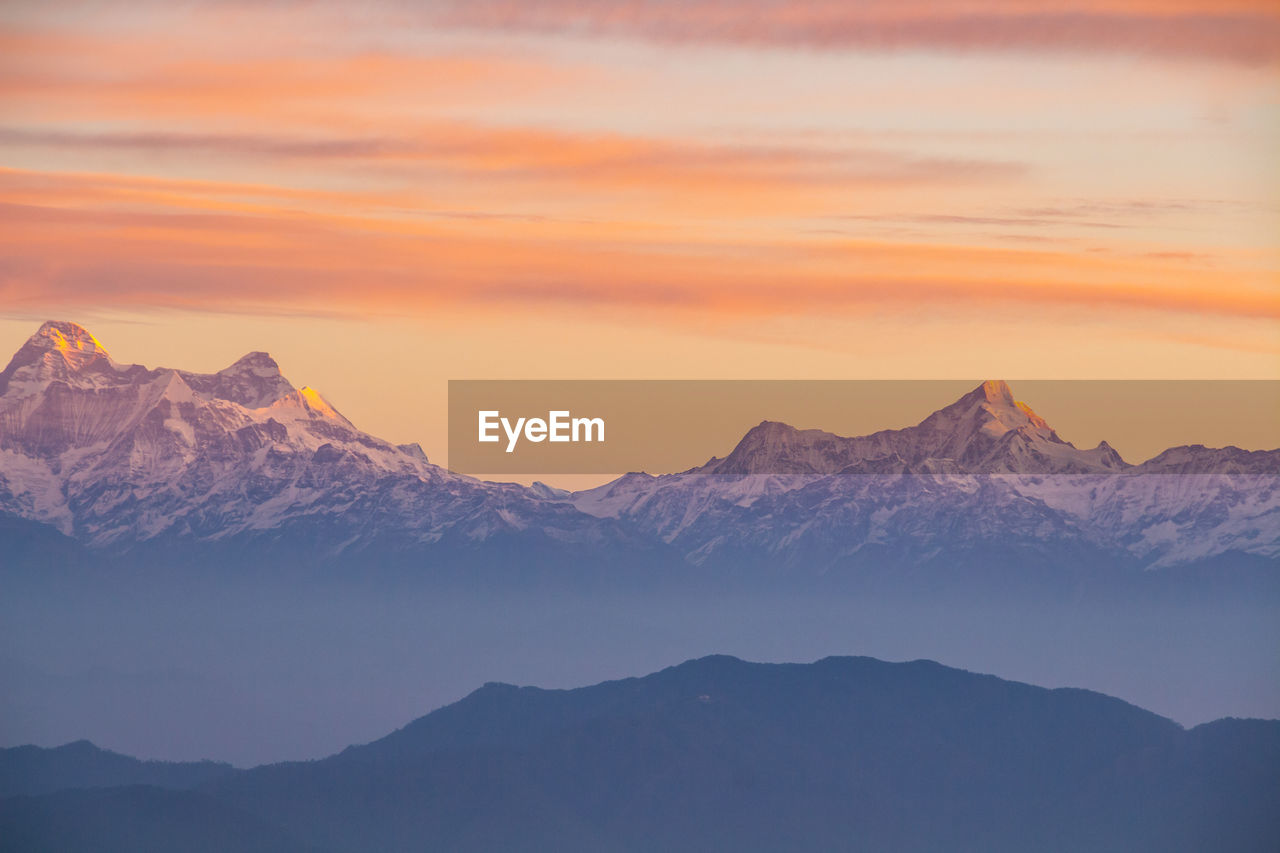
(520, 427)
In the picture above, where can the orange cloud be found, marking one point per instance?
(697, 175)
(81, 252)
(51, 75)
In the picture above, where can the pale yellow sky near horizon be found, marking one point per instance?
(390, 377)
(389, 196)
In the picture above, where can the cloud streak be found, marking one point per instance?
(599, 162)
(200, 73)
(305, 156)
(1246, 32)
(258, 259)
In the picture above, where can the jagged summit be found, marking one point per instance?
(773, 447)
(70, 339)
(256, 363)
(773, 432)
(118, 454)
(989, 431)
(995, 391)
(173, 441)
(985, 431)
(59, 351)
(253, 381)
(66, 352)
(990, 407)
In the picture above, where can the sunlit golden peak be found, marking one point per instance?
(311, 397)
(997, 391)
(67, 338)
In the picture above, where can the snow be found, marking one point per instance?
(143, 453)
(148, 449)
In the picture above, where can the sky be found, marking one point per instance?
(389, 195)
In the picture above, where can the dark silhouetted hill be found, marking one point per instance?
(32, 770)
(718, 754)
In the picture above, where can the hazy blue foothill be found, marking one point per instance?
(32, 770)
(720, 754)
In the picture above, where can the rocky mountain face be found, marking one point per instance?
(984, 432)
(983, 476)
(115, 455)
(118, 456)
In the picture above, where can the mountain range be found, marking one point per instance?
(714, 754)
(117, 455)
(122, 459)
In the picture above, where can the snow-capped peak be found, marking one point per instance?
(985, 431)
(123, 451)
(253, 381)
(256, 363)
(71, 340)
(992, 408)
(997, 392)
(59, 351)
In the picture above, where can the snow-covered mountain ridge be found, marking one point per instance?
(113, 454)
(983, 473)
(984, 432)
(120, 455)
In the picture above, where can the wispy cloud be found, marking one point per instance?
(202, 73)
(1239, 31)
(600, 160)
(193, 257)
(809, 159)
